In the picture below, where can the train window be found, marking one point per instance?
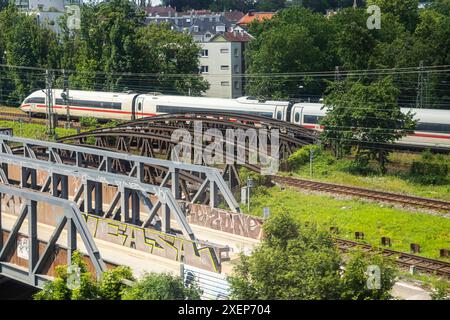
(140, 106)
(279, 115)
(312, 119)
(433, 127)
(297, 117)
(35, 100)
(92, 104)
(177, 109)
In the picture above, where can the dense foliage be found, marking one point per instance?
(113, 41)
(365, 116)
(115, 284)
(259, 5)
(164, 286)
(295, 261)
(298, 40)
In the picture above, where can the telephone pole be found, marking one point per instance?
(52, 117)
(65, 96)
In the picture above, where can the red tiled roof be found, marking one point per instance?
(249, 17)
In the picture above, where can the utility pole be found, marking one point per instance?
(52, 117)
(65, 96)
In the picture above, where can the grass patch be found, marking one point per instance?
(376, 221)
(328, 169)
(33, 131)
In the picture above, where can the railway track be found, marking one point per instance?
(412, 201)
(403, 260)
(20, 116)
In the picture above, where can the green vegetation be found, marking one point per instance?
(398, 177)
(161, 286)
(350, 216)
(298, 262)
(364, 116)
(114, 285)
(33, 131)
(298, 40)
(113, 41)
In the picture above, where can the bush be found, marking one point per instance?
(164, 286)
(429, 172)
(301, 157)
(258, 179)
(88, 122)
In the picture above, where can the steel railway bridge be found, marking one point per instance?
(135, 197)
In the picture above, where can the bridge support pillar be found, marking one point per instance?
(32, 236)
(71, 240)
(213, 198)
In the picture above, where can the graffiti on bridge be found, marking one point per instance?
(154, 242)
(235, 223)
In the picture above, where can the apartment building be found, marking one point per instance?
(222, 64)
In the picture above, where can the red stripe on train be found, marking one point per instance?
(98, 110)
(421, 135)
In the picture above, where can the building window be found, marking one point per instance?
(236, 68)
(236, 52)
(236, 84)
(204, 53)
(195, 28)
(223, 50)
(225, 83)
(224, 67)
(204, 69)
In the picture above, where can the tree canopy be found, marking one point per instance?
(112, 44)
(295, 261)
(297, 41)
(366, 116)
(114, 285)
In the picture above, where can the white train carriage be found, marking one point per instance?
(433, 126)
(129, 106)
(102, 105)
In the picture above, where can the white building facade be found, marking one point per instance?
(222, 64)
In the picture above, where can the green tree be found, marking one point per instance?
(406, 10)
(355, 278)
(365, 116)
(59, 290)
(167, 52)
(295, 261)
(269, 5)
(164, 286)
(353, 42)
(295, 40)
(24, 43)
(112, 286)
